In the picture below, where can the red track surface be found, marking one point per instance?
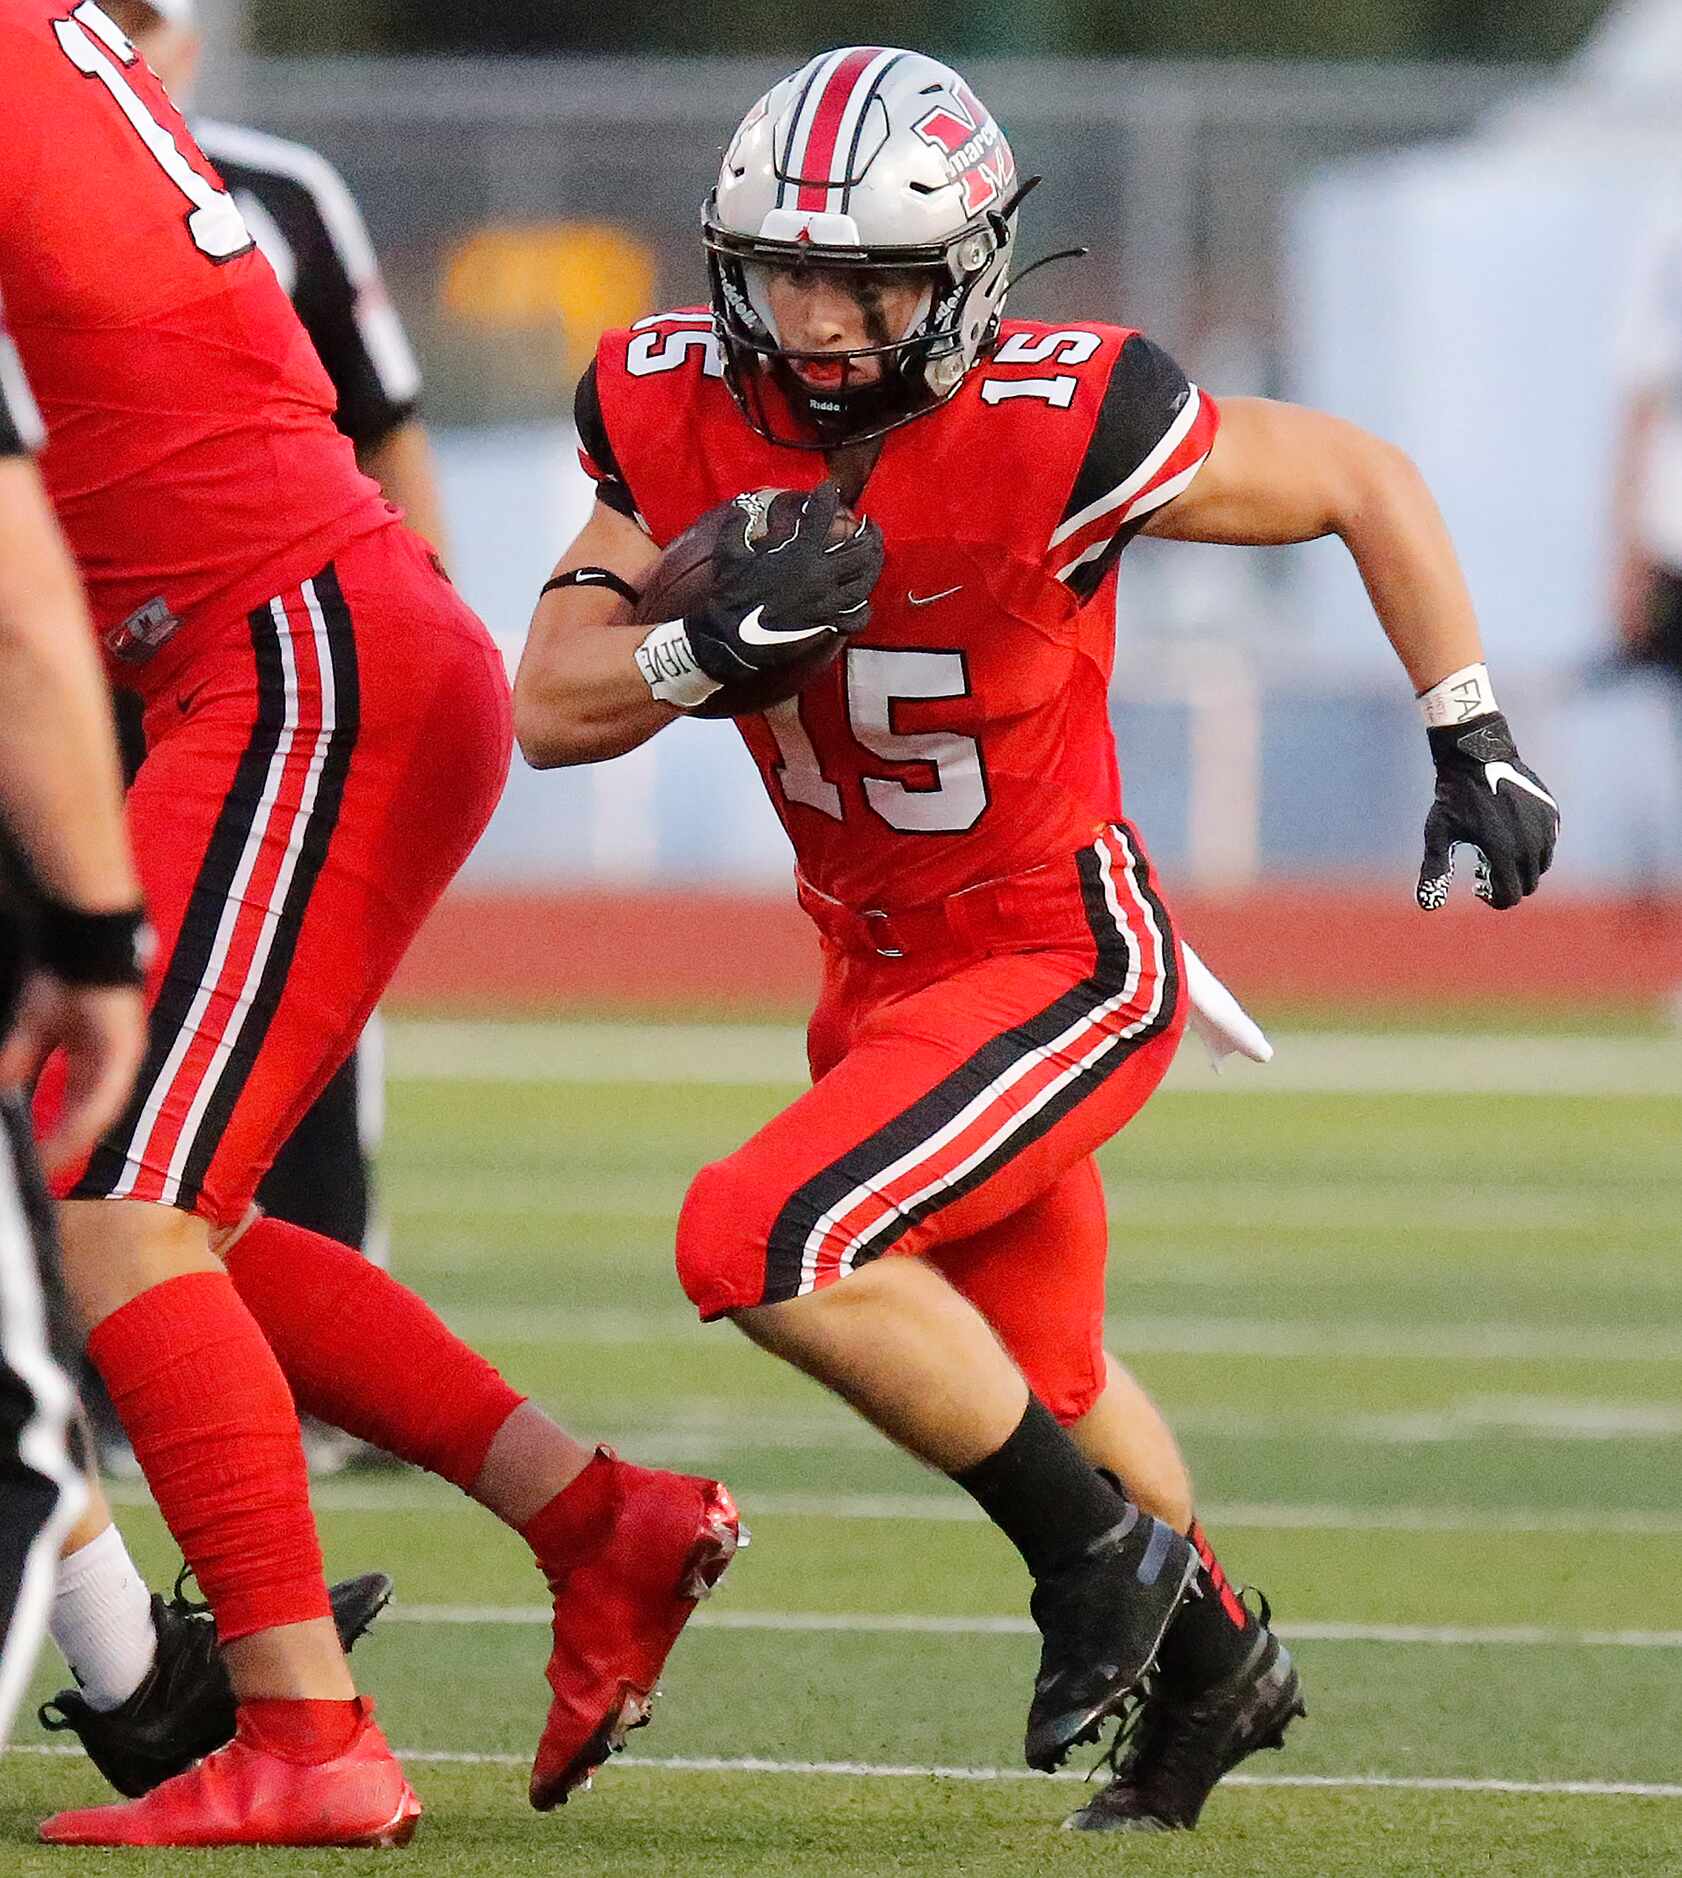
(1298, 943)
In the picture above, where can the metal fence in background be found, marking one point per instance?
(523, 205)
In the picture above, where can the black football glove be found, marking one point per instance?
(1488, 799)
(769, 605)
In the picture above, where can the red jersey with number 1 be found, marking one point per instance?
(965, 734)
(191, 452)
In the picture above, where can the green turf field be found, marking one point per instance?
(1425, 1351)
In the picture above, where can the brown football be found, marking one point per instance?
(682, 578)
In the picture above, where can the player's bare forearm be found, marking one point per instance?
(402, 464)
(60, 789)
(579, 695)
(1279, 473)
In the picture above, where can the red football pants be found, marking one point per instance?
(315, 774)
(957, 1101)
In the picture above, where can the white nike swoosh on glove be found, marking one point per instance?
(1494, 773)
(751, 633)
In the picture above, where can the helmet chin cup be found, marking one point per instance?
(867, 158)
(945, 375)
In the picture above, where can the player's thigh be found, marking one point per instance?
(956, 1107)
(292, 832)
(1037, 1277)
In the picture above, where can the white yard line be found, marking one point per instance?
(1473, 1420)
(853, 1623)
(412, 1494)
(1159, 1336)
(1258, 1517)
(1407, 1783)
(1315, 1062)
(875, 1770)
(1197, 1207)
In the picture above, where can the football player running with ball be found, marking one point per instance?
(924, 1231)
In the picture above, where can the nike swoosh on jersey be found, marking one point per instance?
(928, 599)
(751, 633)
(1495, 773)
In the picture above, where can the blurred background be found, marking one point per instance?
(1425, 216)
(1410, 1295)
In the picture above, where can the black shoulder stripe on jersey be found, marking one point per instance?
(613, 490)
(1085, 581)
(1147, 390)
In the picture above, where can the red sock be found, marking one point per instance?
(365, 1354)
(305, 1732)
(206, 1407)
(1232, 1606)
(1212, 1636)
(566, 1530)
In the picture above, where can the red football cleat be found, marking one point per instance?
(242, 1795)
(618, 1614)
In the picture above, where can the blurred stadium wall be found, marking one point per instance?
(1437, 250)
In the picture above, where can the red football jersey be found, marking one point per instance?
(191, 452)
(965, 735)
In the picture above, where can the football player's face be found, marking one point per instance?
(821, 309)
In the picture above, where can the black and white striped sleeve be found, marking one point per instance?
(308, 226)
(20, 423)
(1152, 435)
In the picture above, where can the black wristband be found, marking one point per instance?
(593, 577)
(92, 948)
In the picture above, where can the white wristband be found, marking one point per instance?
(1461, 695)
(667, 662)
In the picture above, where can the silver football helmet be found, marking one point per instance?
(867, 158)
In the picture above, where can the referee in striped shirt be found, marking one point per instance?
(71, 945)
(308, 227)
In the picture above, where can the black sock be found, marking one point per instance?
(1042, 1493)
(1211, 1636)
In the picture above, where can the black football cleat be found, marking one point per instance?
(1177, 1746)
(1102, 1621)
(184, 1709)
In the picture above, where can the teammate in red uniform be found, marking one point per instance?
(328, 731)
(1003, 986)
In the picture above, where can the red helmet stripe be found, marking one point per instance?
(818, 158)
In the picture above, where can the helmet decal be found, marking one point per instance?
(976, 153)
